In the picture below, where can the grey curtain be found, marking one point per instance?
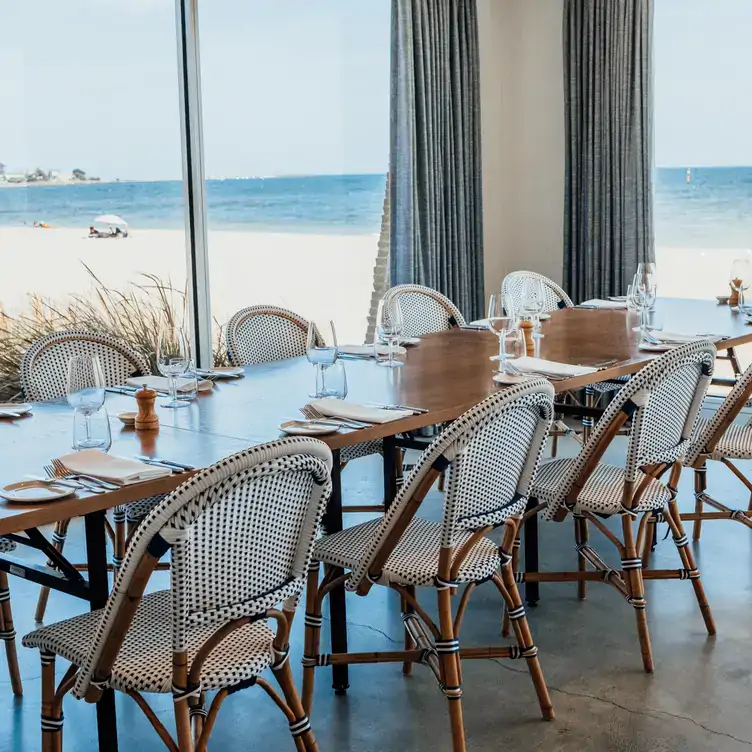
(436, 232)
(608, 225)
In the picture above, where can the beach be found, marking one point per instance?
(320, 276)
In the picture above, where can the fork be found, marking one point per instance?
(314, 414)
(53, 472)
(63, 472)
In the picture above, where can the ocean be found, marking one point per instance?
(712, 210)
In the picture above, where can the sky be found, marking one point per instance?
(297, 86)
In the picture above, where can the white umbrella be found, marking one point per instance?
(111, 219)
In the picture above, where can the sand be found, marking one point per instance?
(318, 276)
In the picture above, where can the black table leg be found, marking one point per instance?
(99, 590)
(337, 607)
(390, 470)
(531, 557)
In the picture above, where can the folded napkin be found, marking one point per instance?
(368, 350)
(677, 338)
(331, 407)
(162, 383)
(550, 367)
(598, 303)
(118, 470)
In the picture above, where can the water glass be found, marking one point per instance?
(321, 343)
(172, 360)
(91, 430)
(389, 327)
(188, 389)
(331, 381)
(502, 325)
(740, 278)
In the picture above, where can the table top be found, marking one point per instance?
(447, 373)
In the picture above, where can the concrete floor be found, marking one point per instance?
(698, 699)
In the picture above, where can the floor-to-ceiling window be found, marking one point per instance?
(703, 110)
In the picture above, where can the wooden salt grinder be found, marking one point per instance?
(734, 297)
(147, 418)
(527, 332)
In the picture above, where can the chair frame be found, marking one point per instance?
(8, 636)
(634, 551)
(566, 301)
(194, 724)
(454, 315)
(436, 645)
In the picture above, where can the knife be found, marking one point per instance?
(167, 463)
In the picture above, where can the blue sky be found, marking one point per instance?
(297, 86)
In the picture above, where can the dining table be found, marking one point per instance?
(445, 374)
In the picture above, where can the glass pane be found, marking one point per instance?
(296, 130)
(91, 199)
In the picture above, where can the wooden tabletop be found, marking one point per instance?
(447, 373)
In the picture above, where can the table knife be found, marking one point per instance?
(166, 463)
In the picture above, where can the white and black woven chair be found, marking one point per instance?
(264, 334)
(492, 452)
(44, 376)
(662, 401)
(424, 311)
(7, 631)
(721, 439)
(241, 534)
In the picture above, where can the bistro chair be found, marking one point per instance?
(241, 534)
(44, 372)
(492, 452)
(722, 440)
(662, 401)
(7, 632)
(424, 311)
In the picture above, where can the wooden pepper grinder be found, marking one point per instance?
(147, 418)
(527, 333)
(734, 297)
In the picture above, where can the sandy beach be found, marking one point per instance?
(318, 276)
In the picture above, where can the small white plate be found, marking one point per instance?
(722, 299)
(509, 379)
(35, 492)
(222, 372)
(14, 407)
(544, 316)
(127, 419)
(299, 428)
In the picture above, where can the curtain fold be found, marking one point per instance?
(435, 193)
(608, 216)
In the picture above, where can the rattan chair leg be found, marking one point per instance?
(301, 727)
(407, 608)
(8, 636)
(52, 716)
(633, 577)
(688, 560)
(581, 538)
(119, 540)
(701, 485)
(312, 636)
(58, 542)
(451, 683)
(505, 624)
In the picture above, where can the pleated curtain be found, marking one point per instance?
(608, 226)
(436, 224)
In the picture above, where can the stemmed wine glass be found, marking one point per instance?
(172, 360)
(389, 326)
(86, 393)
(322, 352)
(740, 278)
(644, 292)
(533, 302)
(502, 322)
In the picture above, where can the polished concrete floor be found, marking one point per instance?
(698, 699)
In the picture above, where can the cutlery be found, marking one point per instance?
(475, 327)
(130, 391)
(316, 422)
(54, 473)
(182, 466)
(54, 481)
(416, 410)
(157, 463)
(520, 372)
(63, 471)
(312, 412)
(8, 414)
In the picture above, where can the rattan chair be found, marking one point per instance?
(241, 534)
(424, 311)
(662, 401)
(44, 376)
(7, 632)
(721, 439)
(492, 452)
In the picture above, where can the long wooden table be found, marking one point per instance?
(447, 373)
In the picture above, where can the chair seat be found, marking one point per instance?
(415, 560)
(144, 663)
(610, 386)
(735, 444)
(364, 449)
(602, 494)
(6, 545)
(137, 510)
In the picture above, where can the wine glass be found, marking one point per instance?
(172, 360)
(502, 324)
(322, 352)
(740, 278)
(644, 292)
(533, 302)
(85, 390)
(389, 325)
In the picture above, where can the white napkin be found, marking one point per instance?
(368, 350)
(118, 470)
(162, 383)
(598, 303)
(678, 338)
(550, 367)
(331, 407)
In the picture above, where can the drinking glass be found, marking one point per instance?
(502, 325)
(331, 381)
(644, 292)
(389, 329)
(91, 430)
(740, 278)
(85, 387)
(172, 360)
(188, 389)
(533, 302)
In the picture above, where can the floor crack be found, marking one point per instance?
(374, 629)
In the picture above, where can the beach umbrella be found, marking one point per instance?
(111, 219)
